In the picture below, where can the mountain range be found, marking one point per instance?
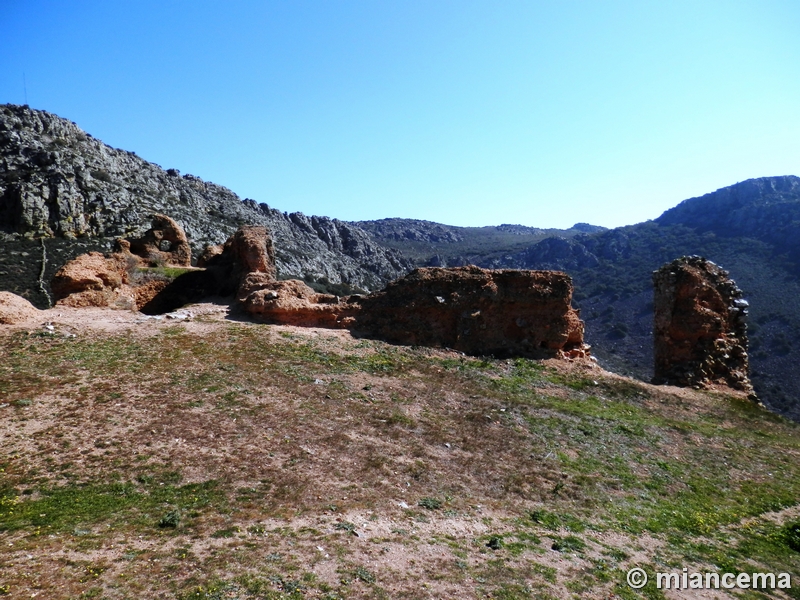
(63, 192)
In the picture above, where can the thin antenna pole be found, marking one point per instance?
(25, 87)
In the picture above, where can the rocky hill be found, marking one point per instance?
(59, 184)
(437, 245)
(752, 229)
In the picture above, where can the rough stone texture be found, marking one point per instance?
(476, 311)
(93, 280)
(15, 309)
(292, 302)
(164, 243)
(208, 254)
(700, 331)
(252, 250)
(56, 180)
(114, 281)
(111, 280)
(248, 251)
(247, 262)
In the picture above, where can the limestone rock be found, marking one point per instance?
(699, 326)
(15, 309)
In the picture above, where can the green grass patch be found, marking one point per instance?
(67, 507)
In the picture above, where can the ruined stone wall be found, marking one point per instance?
(699, 327)
(477, 311)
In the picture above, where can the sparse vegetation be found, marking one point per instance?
(241, 460)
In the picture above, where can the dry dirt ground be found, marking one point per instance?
(203, 455)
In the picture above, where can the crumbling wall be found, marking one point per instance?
(165, 243)
(699, 326)
(477, 311)
(116, 280)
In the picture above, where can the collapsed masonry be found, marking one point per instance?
(700, 332)
(128, 278)
(472, 310)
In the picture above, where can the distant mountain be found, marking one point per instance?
(752, 229)
(435, 244)
(59, 184)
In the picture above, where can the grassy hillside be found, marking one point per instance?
(220, 459)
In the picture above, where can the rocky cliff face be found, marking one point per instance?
(56, 181)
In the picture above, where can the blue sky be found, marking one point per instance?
(463, 112)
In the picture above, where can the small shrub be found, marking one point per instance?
(170, 520)
(430, 503)
(545, 519)
(225, 533)
(495, 543)
(569, 544)
(400, 418)
(791, 535)
(362, 574)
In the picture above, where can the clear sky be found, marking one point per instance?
(543, 113)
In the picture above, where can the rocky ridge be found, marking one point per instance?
(57, 181)
(438, 245)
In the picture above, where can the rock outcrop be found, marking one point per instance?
(700, 330)
(476, 311)
(58, 181)
(118, 280)
(164, 243)
(95, 279)
(15, 309)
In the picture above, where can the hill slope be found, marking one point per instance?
(60, 184)
(220, 459)
(752, 229)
